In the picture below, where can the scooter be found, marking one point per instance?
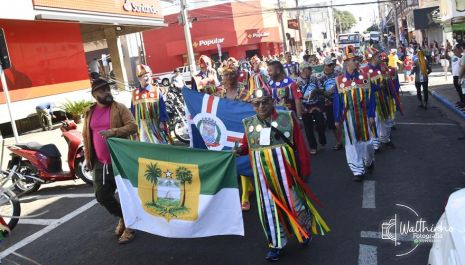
(42, 163)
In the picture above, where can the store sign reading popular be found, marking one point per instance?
(258, 35)
(132, 6)
(209, 42)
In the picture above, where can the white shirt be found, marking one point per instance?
(456, 65)
(94, 66)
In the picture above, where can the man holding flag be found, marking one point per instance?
(280, 160)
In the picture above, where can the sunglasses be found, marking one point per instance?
(330, 65)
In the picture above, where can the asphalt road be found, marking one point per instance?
(421, 172)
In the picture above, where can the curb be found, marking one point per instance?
(448, 104)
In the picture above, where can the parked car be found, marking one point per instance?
(449, 245)
(374, 36)
(165, 78)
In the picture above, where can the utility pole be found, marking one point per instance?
(280, 17)
(187, 36)
(396, 23)
(300, 26)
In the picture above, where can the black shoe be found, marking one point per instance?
(359, 178)
(377, 151)
(273, 254)
(393, 128)
(371, 167)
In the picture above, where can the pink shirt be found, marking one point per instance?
(100, 121)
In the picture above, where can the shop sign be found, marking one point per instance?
(258, 35)
(133, 6)
(209, 42)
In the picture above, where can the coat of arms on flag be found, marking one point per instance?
(210, 120)
(176, 191)
(169, 190)
(218, 124)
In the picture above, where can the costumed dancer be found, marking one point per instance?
(291, 68)
(280, 160)
(327, 79)
(236, 87)
(354, 110)
(149, 109)
(284, 89)
(206, 81)
(379, 76)
(394, 86)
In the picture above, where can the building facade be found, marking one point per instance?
(51, 42)
(234, 29)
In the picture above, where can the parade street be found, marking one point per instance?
(421, 173)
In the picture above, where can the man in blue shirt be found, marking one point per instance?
(45, 112)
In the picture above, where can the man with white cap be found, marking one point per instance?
(327, 79)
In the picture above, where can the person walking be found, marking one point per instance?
(45, 113)
(311, 111)
(355, 115)
(327, 80)
(457, 60)
(421, 69)
(105, 119)
(149, 109)
(281, 161)
(291, 68)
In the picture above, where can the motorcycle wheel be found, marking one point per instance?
(181, 132)
(9, 206)
(82, 172)
(26, 185)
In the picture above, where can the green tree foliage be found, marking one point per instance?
(151, 174)
(184, 175)
(373, 28)
(344, 20)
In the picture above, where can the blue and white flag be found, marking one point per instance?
(217, 124)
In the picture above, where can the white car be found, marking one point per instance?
(165, 78)
(449, 245)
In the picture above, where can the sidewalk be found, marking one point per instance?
(440, 87)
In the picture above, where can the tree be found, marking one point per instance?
(151, 174)
(373, 27)
(183, 175)
(344, 20)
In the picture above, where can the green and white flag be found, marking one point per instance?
(175, 191)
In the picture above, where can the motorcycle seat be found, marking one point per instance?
(48, 150)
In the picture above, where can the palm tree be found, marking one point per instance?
(151, 174)
(183, 175)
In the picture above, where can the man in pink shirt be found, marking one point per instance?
(105, 119)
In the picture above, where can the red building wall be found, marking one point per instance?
(47, 58)
(166, 47)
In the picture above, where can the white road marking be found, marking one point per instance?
(36, 197)
(47, 229)
(367, 255)
(427, 123)
(26, 258)
(369, 201)
(25, 221)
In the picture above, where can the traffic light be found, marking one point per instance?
(4, 55)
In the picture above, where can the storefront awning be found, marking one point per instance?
(99, 19)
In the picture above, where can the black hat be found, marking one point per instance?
(98, 83)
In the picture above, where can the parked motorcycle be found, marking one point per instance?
(43, 162)
(176, 113)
